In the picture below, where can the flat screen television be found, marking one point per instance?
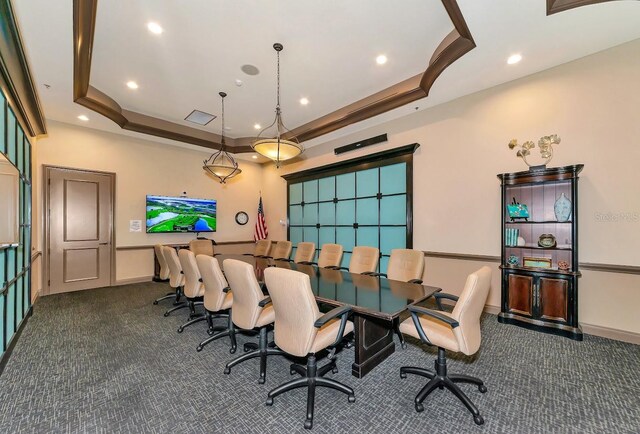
(180, 214)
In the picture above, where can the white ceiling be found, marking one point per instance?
(329, 55)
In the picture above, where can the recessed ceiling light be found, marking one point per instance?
(155, 28)
(255, 157)
(238, 82)
(83, 118)
(132, 85)
(512, 60)
(257, 126)
(381, 59)
(304, 101)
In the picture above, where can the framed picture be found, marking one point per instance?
(536, 262)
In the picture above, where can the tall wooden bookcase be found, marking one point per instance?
(540, 295)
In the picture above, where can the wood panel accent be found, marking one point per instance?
(555, 6)
(520, 294)
(16, 81)
(453, 46)
(554, 298)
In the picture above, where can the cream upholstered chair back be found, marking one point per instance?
(469, 308)
(262, 248)
(213, 280)
(246, 293)
(201, 247)
(296, 310)
(330, 255)
(176, 278)
(405, 265)
(305, 252)
(282, 250)
(364, 259)
(164, 267)
(192, 279)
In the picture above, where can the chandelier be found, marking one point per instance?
(221, 164)
(270, 142)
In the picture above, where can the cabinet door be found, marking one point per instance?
(520, 294)
(554, 299)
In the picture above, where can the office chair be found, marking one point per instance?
(176, 278)
(456, 331)
(305, 253)
(364, 260)
(251, 309)
(302, 331)
(217, 298)
(163, 274)
(193, 288)
(201, 247)
(282, 250)
(330, 256)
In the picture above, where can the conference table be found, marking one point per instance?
(377, 304)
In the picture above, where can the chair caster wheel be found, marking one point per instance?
(155, 302)
(166, 314)
(199, 348)
(269, 401)
(261, 380)
(210, 332)
(419, 408)
(334, 370)
(478, 420)
(292, 372)
(308, 424)
(232, 350)
(403, 375)
(227, 371)
(352, 399)
(482, 388)
(441, 387)
(403, 345)
(180, 329)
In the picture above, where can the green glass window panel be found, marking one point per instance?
(346, 237)
(19, 299)
(392, 238)
(27, 246)
(11, 295)
(3, 123)
(367, 236)
(327, 188)
(346, 258)
(393, 178)
(293, 251)
(367, 211)
(311, 234)
(310, 189)
(27, 158)
(295, 215)
(327, 236)
(20, 150)
(11, 263)
(346, 212)
(327, 213)
(367, 182)
(20, 253)
(11, 136)
(295, 235)
(2, 302)
(346, 186)
(393, 210)
(310, 214)
(384, 264)
(3, 256)
(295, 193)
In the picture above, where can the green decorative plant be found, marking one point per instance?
(545, 144)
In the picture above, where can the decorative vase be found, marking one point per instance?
(521, 242)
(562, 208)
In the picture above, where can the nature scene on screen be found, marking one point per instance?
(180, 214)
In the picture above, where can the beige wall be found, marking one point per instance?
(592, 103)
(144, 167)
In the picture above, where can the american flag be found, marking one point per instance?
(261, 225)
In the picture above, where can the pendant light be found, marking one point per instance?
(221, 164)
(271, 143)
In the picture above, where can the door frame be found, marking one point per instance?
(46, 178)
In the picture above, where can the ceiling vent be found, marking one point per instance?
(200, 118)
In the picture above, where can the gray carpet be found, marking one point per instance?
(106, 360)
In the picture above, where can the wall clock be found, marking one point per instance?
(242, 218)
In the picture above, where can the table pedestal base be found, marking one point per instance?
(373, 343)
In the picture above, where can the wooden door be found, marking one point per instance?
(79, 230)
(520, 294)
(554, 298)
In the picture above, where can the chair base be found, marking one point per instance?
(165, 297)
(262, 351)
(312, 377)
(439, 379)
(193, 316)
(228, 331)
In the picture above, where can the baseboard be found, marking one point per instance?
(609, 333)
(493, 310)
(14, 339)
(131, 280)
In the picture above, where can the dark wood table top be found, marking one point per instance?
(371, 295)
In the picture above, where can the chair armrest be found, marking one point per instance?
(440, 295)
(340, 311)
(332, 267)
(247, 254)
(264, 302)
(308, 263)
(282, 259)
(373, 273)
(226, 289)
(433, 314)
(419, 281)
